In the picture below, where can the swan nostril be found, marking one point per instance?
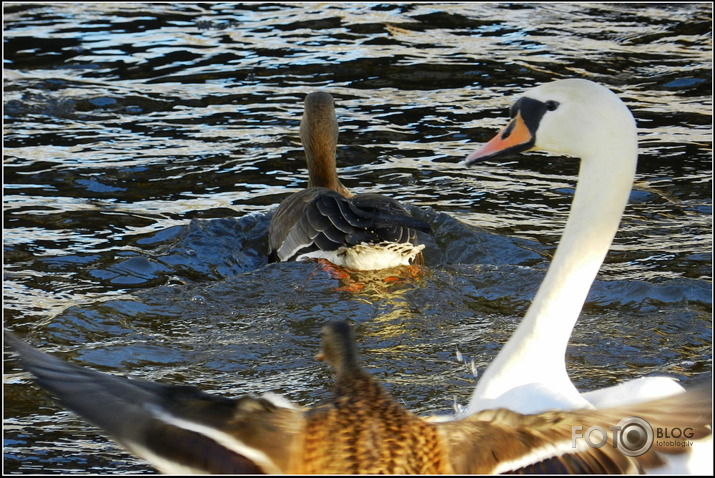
(507, 131)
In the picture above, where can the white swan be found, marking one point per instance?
(577, 118)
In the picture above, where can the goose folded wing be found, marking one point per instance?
(386, 211)
(323, 219)
(306, 221)
(286, 233)
(178, 429)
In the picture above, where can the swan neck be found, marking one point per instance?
(599, 201)
(535, 353)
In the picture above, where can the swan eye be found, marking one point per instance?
(551, 105)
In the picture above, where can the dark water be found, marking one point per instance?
(145, 146)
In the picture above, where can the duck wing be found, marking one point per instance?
(503, 441)
(178, 429)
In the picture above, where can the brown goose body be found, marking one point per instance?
(326, 220)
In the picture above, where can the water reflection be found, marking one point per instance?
(147, 144)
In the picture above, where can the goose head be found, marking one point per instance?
(572, 117)
(319, 136)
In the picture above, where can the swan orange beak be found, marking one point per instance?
(514, 138)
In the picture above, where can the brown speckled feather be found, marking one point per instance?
(368, 432)
(362, 429)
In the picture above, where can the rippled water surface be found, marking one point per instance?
(146, 145)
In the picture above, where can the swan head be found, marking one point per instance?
(573, 117)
